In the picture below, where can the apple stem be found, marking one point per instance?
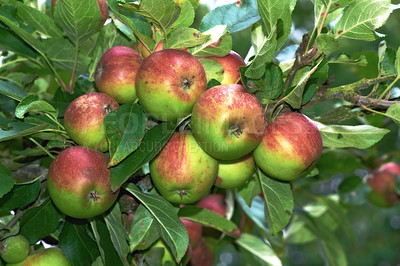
(186, 84)
(182, 193)
(235, 130)
(107, 108)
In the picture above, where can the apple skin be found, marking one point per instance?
(83, 119)
(14, 249)
(144, 52)
(116, 72)
(292, 144)
(182, 172)
(194, 231)
(45, 257)
(383, 188)
(202, 255)
(230, 63)
(215, 203)
(234, 174)
(102, 6)
(228, 122)
(79, 182)
(392, 167)
(169, 82)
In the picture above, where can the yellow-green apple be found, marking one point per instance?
(292, 144)
(83, 119)
(103, 7)
(383, 187)
(234, 174)
(228, 122)
(167, 257)
(45, 257)
(195, 3)
(144, 52)
(14, 249)
(116, 72)
(194, 231)
(182, 172)
(79, 182)
(169, 82)
(230, 63)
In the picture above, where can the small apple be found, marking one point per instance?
(234, 174)
(215, 203)
(116, 72)
(182, 172)
(14, 249)
(83, 119)
(167, 257)
(194, 231)
(45, 257)
(230, 63)
(169, 82)
(79, 182)
(228, 122)
(383, 188)
(144, 52)
(292, 144)
(103, 7)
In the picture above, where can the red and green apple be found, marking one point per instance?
(45, 257)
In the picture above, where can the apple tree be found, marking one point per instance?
(103, 159)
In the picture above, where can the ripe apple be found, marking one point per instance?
(235, 173)
(14, 249)
(169, 82)
(383, 188)
(83, 119)
(392, 167)
(45, 257)
(215, 203)
(230, 63)
(79, 182)
(194, 231)
(144, 52)
(116, 72)
(228, 122)
(182, 172)
(292, 144)
(102, 6)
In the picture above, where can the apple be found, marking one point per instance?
(144, 52)
(292, 144)
(234, 174)
(83, 119)
(383, 188)
(215, 203)
(228, 122)
(202, 255)
(103, 7)
(182, 172)
(14, 249)
(392, 167)
(45, 257)
(230, 63)
(79, 182)
(169, 82)
(195, 3)
(194, 231)
(116, 72)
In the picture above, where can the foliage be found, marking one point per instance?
(49, 59)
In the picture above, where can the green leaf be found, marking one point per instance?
(20, 129)
(279, 202)
(388, 62)
(162, 13)
(9, 41)
(251, 189)
(76, 243)
(151, 145)
(219, 43)
(360, 137)
(40, 221)
(79, 22)
(186, 16)
(125, 130)
(185, 37)
(6, 180)
(338, 161)
(118, 237)
(107, 250)
(397, 62)
(335, 9)
(209, 218)
(20, 196)
(258, 248)
(297, 233)
(9, 89)
(236, 16)
(213, 69)
(394, 113)
(32, 104)
(295, 97)
(327, 43)
(276, 16)
(143, 230)
(171, 229)
(361, 18)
